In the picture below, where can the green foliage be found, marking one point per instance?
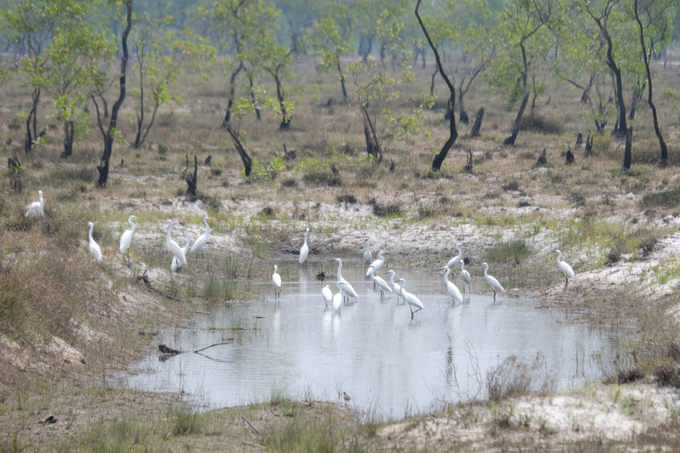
(266, 172)
(508, 252)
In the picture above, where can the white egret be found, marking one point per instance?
(337, 300)
(327, 294)
(565, 268)
(202, 239)
(452, 289)
(368, 257)
(465, 276)
(304, 250)
(175, 262)
(381, 284)
(276, 278)
(412, 301)
(492, 281)
(95, 250)
(173, 247)
(126, 238)
(455, 260)
(396, 286)
(343, 284)
(35, 209)
(377, 264)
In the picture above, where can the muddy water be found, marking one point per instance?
(372, 350)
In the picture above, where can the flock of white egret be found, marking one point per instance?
(345, 289)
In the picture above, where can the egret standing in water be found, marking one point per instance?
(276, 278)
(202, 239)
(327, 294)
(456, 259)
(176, 265)
(95, 250)
(492, 281)
(343, 284)
(465, 276)
(126, 238)
(396, 286)
(412, 301)
(565, 268)
(452, 289)
(173, 247)
(368, 257)
(337, 300)
(36, 209)
(304, 250)
(381, 284)
(377, 264)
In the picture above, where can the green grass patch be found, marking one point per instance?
(508, 252)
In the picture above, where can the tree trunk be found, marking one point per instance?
(148, 128)
(68, 139)
(464, 119)
(434, 74)
(450, 107)
(510, 141)
(478, 123)
(192, 182)
(650, 100)
(372, 143)
(586, 91)
(285, 121)
(252, 98)
(106, 106)
(232, 91)
(140, 114)
(28, 145)
(622, 126)
(109, 137)
(633, 104)
(342, 82)
(628, 153)
(247, 161)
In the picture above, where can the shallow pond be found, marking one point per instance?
(372, 350)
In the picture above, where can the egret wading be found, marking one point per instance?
(465, 276)
(202, 239)
(327, 294)
(343, 284)
(381, 284)
(492, 281)
(395, 286)
(565, 268)
(36, 209)
(412, 300)
(176, 265)
(173, 247)
(304, 250)
(368, 257)
(455, 260)
(452, 289)
(95, 250)
(377, 264)
(126, 238)
(276, 278)
(337, 300)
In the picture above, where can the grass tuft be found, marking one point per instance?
(509, 252)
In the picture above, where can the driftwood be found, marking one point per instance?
(250, 424)
(478, 123)
(191, 180)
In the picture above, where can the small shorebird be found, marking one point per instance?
(346, 397)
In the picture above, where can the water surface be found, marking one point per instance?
(372, 349)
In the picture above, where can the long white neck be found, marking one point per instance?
(368, 245)
(169, 231)
(446, 275)
(207, 227)
(132, 224)
(306, 242)
(392, 279)
(559, 257)
(339, 265)
(462, 266)
(486, 268)
(90, 233)
(460, 252)
(41, 200)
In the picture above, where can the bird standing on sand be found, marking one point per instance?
(176, 265)
(565, 268)
(173, 247)
(95, 250)
(304, 250)
(36, 209)
(126, 238)
(492, 281)
(452, 289)
(202, 239)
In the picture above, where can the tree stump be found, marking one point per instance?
(208, 160)
(570, 157)
(542, 160)
(288, 155)
(15, 171)
(478, 123)
(392, 166)
(191, 180)
(628, 153)
(468, 165)
(589, 145)
(579, 139)
(464, 118)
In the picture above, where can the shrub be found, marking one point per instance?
(540, 123)
(667, 199)
(346, 198)
(289, 182)
(215, 171)
(509, 252)
(513, 378)
(513, 184)
(384, 210)
(322, 178)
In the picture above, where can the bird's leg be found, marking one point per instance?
(202, 254)
(566, 282)
(494, 296)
